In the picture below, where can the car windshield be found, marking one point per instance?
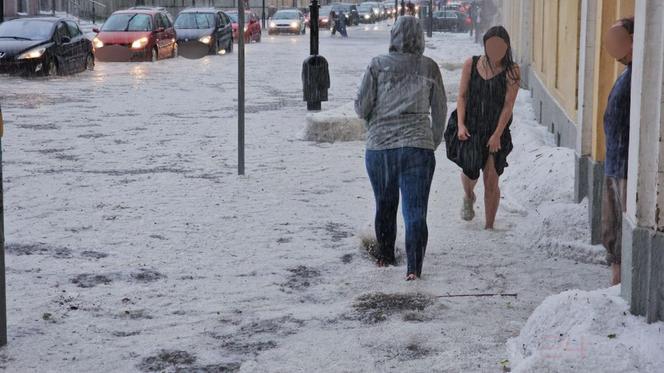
(324, 11)
(195, 21)
(285, 15)
(365, 7)
(128, 22)
(26, 29)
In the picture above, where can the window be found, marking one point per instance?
(74, 31)
(61, 32)
(128, 22)
(159, 21)
(166, 21)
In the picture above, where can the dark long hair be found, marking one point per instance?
(507, 61)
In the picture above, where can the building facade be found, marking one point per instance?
(559, 45)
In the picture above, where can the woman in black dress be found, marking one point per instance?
(487, 92)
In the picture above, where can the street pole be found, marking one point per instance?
(396, 10)
(430, 16)
(403, 8)
(240, 89)
(53, 7)
(263, 16)
(313, 25)
(2, 11)
(3, 288)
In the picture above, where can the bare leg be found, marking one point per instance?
(491, 192)
(467, 210)
(615, 273)
(468, 186)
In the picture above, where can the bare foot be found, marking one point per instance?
(411, 277)
(615, 273)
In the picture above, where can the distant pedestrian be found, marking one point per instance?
(402, 99)
(333, 22)
(342, 24)
(616, 129)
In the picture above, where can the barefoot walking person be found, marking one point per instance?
(616, 129)
(478, 137)
(398, 94)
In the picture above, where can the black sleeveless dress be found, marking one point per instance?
(486, 98)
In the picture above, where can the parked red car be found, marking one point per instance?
(136, 34)
(252, 26)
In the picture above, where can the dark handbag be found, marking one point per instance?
(466, 154)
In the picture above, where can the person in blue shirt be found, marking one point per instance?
(616, 129)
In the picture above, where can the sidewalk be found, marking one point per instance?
(133, 246)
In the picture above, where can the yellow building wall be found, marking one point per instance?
(555, 53)
(606, 68)
(556, 27)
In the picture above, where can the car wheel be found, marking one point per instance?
(215, 47)
(154, 55)
(90, 62)
(52, 68)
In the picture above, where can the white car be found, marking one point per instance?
(288, 21)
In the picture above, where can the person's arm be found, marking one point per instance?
(438, 107)
(513, 81)
(366, 95)
(464, 85)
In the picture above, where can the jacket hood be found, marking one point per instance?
(407, 36)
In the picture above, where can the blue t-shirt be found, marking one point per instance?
(616, 126)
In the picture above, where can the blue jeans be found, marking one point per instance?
(409, 170)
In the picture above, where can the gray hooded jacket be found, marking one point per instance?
(400, 90)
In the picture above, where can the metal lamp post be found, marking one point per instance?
(3, 297)
(240, 89)
(430, 17)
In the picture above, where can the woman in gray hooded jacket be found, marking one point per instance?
(402, 99)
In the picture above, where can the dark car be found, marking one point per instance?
(211, 27)
(368, 12)
(44, 46)
(136, 34)
(448, 20)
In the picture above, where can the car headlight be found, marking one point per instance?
(294, 25)
(376, 11)
(205, 39)
(140, 43)
(32, 53)
(366, 16)
(273, 25)
(97, 43)
(245, 28)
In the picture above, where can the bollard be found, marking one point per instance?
(315, 70)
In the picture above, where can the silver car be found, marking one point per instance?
(287, 21)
